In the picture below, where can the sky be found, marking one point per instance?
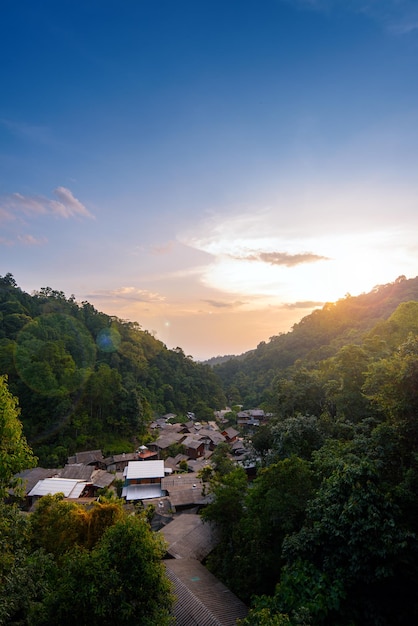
(211, 169)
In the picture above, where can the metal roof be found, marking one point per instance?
(77, 471)
(189, 537)
(144, 469)
(31, 477)
(101, 478)
(202, 600)
(90, 456)
(141, 492)
(50, 486)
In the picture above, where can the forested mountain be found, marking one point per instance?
(248, 379)
(327, 533)
(88, 380)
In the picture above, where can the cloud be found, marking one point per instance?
(308, 304)
(398, 16)
(129, 293)
(282, 258)
(32, 132)
(30, 240)
(223, 305)
(66, 206)
(162, 249)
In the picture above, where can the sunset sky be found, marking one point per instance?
(212, 169)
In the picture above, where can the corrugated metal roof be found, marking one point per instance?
(189, 537)
(141, 492)
(90, 456)
(144, 469)
(77, 471)
(70, 488)
(202, 600)
(101, 478)
(32, 476)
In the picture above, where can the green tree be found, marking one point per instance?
(121, 580)
(349, 556)
(15, 454)
(24, 574)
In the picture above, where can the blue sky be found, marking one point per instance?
(211, 169)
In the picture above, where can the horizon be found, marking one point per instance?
(213, 171)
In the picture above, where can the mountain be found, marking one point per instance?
(247, 379)
(88, 380)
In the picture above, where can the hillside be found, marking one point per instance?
(88, 380)
(247, 379)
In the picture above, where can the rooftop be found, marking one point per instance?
(201, 598)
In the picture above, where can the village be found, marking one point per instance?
(173, 488)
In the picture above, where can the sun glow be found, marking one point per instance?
(334, 266)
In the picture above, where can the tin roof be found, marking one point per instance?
(144, 469)
(141, 492)
(201, 598)
(69, 487)
(189, 537)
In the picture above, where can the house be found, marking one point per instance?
(90, 457)
(70, 487)
(77, 471)
(193, 447)
(230, 434)
(211, 438)
(75, 480)
(168, 437)
(118, 462)
(238, 448)
(174, 462)
(185, 491)
(143, 480)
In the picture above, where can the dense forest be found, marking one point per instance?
(247, 379)
(326, 534)
(87, 380)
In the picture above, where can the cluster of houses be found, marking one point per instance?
(172, 485)
(151, 472)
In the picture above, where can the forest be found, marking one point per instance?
(86, 380)
(324, 535)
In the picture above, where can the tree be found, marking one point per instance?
(57, 526)
(274, 508)
(24, 574)
(349, 558)
(121, 580)
(15, 454)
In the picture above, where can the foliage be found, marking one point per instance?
(15, 454)
(121, 580)
(67, 564)
(24, 574)
(320, 335)
(84, 378)
(57, 525)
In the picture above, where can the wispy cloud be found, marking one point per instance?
(129, 293)
(397, 16)
(30, 240)
(224, 305)
(32, 132)
(282, 258)
(65, 206)
(308, 304)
